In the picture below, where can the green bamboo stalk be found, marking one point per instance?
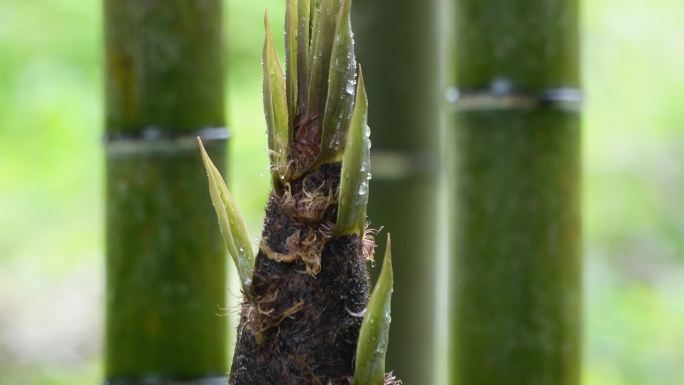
(516, 239)
(397, 43)
(166, 267)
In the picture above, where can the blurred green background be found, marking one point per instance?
(51, 186)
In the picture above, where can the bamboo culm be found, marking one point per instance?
(165, 266)
(516, 237)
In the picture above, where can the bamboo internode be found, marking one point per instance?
(166, 267)
(516, 276)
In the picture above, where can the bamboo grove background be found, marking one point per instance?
(52, 170)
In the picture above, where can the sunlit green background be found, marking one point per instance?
(51, 167)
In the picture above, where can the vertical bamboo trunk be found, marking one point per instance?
(516, 267)
(166, 273)
(397, 44)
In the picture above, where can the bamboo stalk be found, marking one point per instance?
(516, 239)
(397, 44)
(166, 272)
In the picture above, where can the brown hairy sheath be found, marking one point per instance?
(301, 325)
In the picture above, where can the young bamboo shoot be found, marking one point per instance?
(304, 306)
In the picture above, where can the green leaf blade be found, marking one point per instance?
(323, 31)
(341, 88)
(275, 104)
(232, 225)
(374, 336)
(292, 55)
(303, 47)
(353, 198)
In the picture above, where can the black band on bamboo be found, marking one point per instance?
(156, 140)
(398, 165)
(157, 381)
(501, 96)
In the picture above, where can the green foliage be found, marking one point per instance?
(275, 105)
(374, 336)
(230, 221)
(323, 33)
(342, 84)
(292, 54)
(303, 69)
(351, 213)
(322, 88)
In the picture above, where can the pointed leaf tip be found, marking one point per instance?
(291, 57)
(353, 199)
(267, 22)
(275, 104)
(341, 88)
(232, 225)
(323, 36)
(374, 336)
(303, 46)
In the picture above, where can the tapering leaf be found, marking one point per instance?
(230, 221)
(321, 47)
(374, 335)
(275, 103)
(313, 35)
(341, 88)
(303, 46)
(351, 212)
(314, 5)
(292, 56)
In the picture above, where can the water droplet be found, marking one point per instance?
(363, 188)
(351, 87)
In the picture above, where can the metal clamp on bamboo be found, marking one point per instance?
(156, 141)
(500, 96)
